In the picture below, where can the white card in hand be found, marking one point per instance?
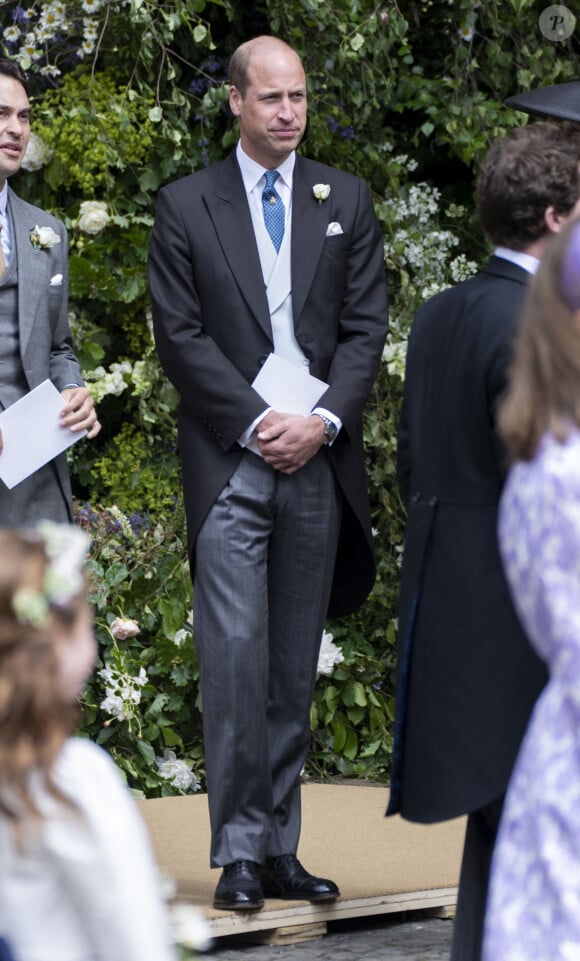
(287, 388)
(32, 434)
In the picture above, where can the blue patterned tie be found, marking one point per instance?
(274, 213)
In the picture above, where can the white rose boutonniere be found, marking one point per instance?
(43, 238)
(321, 191)
(94, 216)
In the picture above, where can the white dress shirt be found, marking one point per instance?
(253, 176)
(519, 258)
(5, 238)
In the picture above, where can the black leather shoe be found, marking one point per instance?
(239, 888)
(284, 877)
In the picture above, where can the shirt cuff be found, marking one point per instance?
(244, 439)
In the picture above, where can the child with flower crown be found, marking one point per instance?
(77, 876)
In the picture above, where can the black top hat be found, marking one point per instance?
(561, 100)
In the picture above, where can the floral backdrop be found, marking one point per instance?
(128, 94)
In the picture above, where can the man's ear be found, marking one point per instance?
(554, 221)
(235, 97)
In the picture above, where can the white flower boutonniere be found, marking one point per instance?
(321, 191)
(43, 238)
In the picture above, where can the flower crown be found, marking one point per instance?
(66, 549)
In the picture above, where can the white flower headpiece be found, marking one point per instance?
(66, 548)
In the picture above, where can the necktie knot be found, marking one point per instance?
(271, 178)
(274, 212)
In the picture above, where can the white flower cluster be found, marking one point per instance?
(114, 381)
(37, 154)
(405, 161)
(177, 772)
(419, 202)
(461, 268)
(122, 692)
(394, 356)
(427, 252)
(43, 23)
(124, 524)
(330, 655)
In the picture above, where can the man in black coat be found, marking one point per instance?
(467, 678)
(268, 253)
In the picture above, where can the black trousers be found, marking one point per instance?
(480, 838)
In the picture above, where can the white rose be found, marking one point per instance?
(321, 191)
(94, 216)
(44, 237)
(123, 627)
(36, 155)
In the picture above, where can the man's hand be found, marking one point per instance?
(79, 411)
(288, 441)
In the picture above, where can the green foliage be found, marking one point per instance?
(408, 96)
(95, 130)
(139, 572)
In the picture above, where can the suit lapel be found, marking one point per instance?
(33, 269)
(229, 211)
(309, 223)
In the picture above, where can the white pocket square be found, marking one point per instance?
(56, 281)
(333, 229)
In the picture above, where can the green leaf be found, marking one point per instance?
(170, 738)
(340, 735)
(146, 751)
(350, 748)
(359, 693)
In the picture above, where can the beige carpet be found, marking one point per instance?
(345, 836)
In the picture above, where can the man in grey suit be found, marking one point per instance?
(36, 341)
(268, 252)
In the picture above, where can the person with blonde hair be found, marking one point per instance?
(533, 909)
(77, 877)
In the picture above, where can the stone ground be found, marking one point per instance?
(405, 937)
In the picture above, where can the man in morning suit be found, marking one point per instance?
(467, 678)
(245, 261)
(36, 342)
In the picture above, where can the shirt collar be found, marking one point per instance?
(4, 199)
(253, 172)
(518, 257)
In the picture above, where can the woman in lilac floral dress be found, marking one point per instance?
(533, 911)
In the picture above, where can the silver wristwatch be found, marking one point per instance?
(330, 428)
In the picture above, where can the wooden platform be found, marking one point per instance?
(381, 865)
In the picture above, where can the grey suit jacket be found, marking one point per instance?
(46, 349)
